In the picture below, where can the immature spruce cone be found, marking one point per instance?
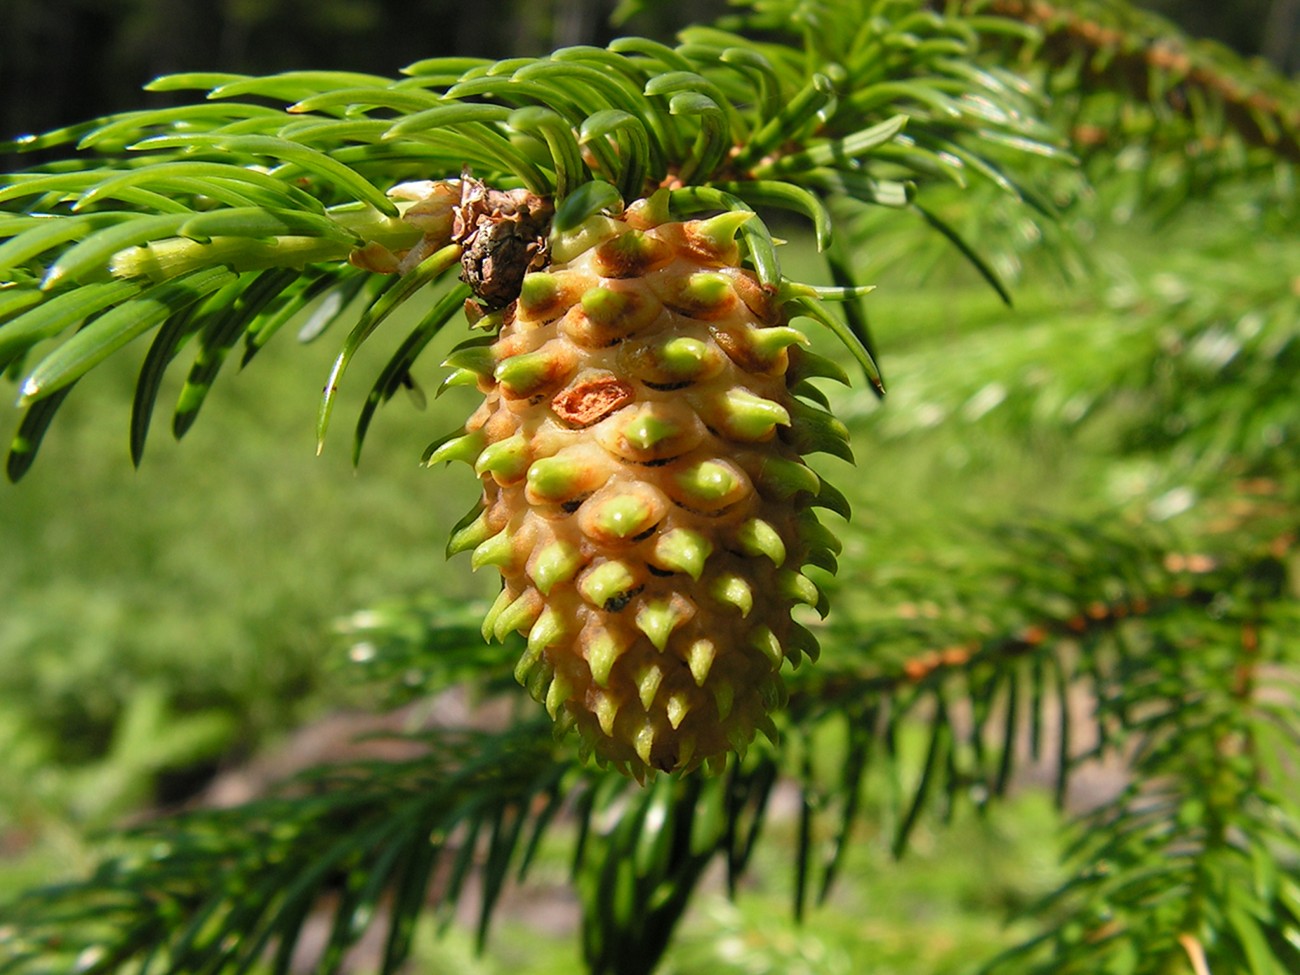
(643, 493)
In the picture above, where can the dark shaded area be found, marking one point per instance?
(64, 61)
(1264, 28)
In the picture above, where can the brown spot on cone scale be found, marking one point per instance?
(591, 400)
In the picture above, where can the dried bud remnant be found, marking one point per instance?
(504, 235)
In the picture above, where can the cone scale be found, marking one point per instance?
(644, 497)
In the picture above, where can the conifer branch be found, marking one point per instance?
(1192, 856)
(377, 843)
(162, 193)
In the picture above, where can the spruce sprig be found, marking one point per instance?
(154, 197)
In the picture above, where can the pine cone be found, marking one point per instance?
(644, 497)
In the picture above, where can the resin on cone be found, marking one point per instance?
(644, 495)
